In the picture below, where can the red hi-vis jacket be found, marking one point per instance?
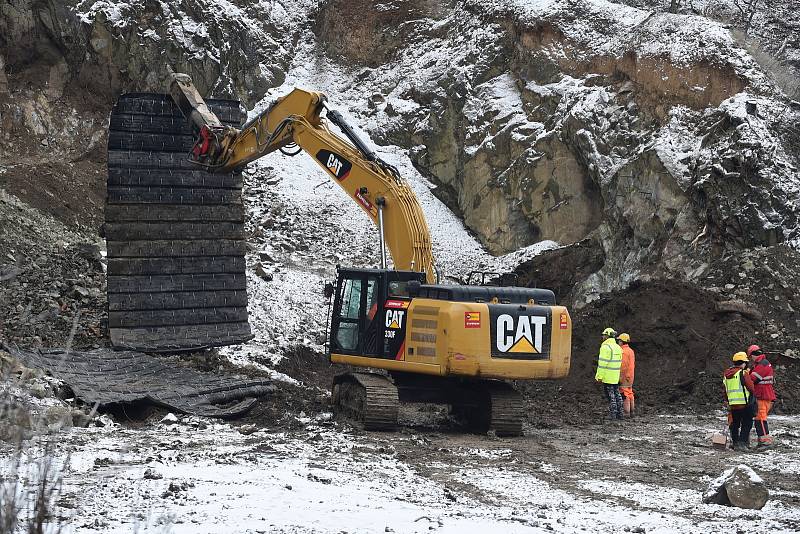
(763, 378)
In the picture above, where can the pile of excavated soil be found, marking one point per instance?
(314, 372)
(53, 295)
(682, 346)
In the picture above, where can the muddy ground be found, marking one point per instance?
(646, 475)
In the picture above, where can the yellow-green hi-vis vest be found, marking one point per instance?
(737, 393)
(609, 362)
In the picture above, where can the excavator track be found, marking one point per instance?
(507, 410)
(367, 399)
(494, 406)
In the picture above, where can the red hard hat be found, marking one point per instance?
(752, 348)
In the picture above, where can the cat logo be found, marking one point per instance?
(520, 334)
(394, 318)
(335, 164)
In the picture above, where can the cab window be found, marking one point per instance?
(347, 334)
(398, 288)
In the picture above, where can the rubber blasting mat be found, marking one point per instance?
(112, 377)
(175, 233)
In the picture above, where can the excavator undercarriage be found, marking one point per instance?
(372, 400)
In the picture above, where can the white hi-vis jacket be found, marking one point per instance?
(609, 362)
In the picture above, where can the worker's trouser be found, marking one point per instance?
(741, 422)
(614, 400)
(762, 427)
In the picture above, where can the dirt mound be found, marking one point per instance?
(52, 294)
(682, 345)
(315, 373)
(575, 263)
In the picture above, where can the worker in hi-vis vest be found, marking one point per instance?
(609, 362)
(626, 374)
(739, 389)
(764, 383)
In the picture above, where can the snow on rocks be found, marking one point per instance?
(738, 486)
(169, 419)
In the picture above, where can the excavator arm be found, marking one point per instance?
(295, 119)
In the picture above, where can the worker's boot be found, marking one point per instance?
(764, 443)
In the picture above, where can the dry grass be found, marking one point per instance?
(30, 472)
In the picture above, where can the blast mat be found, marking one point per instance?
(175, 233)
(109, 377)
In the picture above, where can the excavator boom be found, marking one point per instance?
(295, 119)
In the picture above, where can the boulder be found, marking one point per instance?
(739, 486)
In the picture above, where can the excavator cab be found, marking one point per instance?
(369, 312)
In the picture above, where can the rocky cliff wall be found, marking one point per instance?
(652, 137)
(64, 63)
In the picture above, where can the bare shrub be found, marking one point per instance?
(30, 473)
(29, 491)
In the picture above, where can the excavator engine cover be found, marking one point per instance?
(175, 233)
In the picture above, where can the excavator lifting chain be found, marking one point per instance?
(367, 399)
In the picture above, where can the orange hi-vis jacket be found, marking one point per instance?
(628, 366)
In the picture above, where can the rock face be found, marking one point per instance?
(739, 486)
(651, 134)
(64, 63)
(105, 47)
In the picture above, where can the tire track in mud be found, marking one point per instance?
(658, 468)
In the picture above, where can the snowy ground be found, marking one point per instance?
(201, 476)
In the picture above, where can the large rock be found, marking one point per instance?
(109, 47)
(739, 486)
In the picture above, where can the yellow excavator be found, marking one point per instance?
(428, 342)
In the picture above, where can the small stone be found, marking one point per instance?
(80, 419)
(246, 430)
(739, 486)
(79, 292)
(40, 390)
(58, 417)
(169, 419)
(150, 474)
(261, 273)
(104, 421)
